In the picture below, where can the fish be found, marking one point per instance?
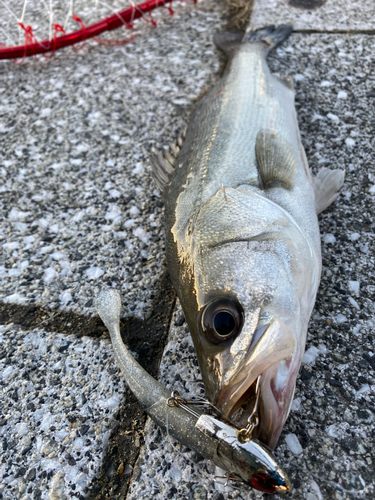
(242, 234)
(243, 252)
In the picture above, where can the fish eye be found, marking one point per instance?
(222, 319)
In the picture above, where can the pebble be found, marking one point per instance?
(293, 444)
(57, 487)
(40, 418)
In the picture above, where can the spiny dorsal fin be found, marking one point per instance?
(276, 160)
(327, 185)
(163, 164)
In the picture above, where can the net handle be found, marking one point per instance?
(108, 24)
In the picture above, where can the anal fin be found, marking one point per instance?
(327, 185)
(276, 160)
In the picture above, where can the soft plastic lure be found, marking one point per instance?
(247, 459)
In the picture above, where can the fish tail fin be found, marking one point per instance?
(270, 36)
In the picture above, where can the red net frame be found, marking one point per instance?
(124, 18)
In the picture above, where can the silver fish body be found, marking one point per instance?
(243, 241)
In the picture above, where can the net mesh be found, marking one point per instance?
(42, 27)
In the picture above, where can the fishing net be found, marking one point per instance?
(34, 27)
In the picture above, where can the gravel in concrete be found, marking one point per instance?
(79, 208)
(58, 397)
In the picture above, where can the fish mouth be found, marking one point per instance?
(245, 406)
(243, 414)
(272, 360)
(238, 409)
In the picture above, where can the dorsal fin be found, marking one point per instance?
(276, 160)
(163, 164)
(228, 42)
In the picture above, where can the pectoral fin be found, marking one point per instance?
(276, 160)
(327, 185)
